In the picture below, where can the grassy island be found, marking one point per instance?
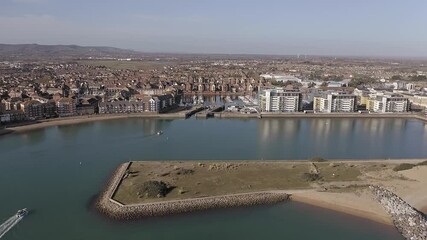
(188, 179)
(153, 188)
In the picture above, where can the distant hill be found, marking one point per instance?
(36, 51)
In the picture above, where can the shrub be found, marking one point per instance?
(317, 159)
(184, 171)
(403, 166)
(152, 189)
(422, 163)
(311, 177)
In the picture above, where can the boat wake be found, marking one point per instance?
(11, 222)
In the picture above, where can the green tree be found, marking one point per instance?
(419, 78)
(396, 77)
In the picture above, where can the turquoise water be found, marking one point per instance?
(57, 172)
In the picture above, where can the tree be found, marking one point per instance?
(396, 77)
(359, 81)
(5, 95)
(277, 83)
(419, 78)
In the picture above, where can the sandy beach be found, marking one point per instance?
(410, 185)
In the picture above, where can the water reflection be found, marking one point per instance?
(343, 138)
(34, 137)
(212, 99)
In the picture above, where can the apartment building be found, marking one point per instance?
(12, 116)
(121, 107)
(388, 103)
(2, 107)
(146, 104)
(66, 107)
(280, 100)
(335, 102)
(33, 109)
(49, 109)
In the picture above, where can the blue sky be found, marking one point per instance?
(321, 27)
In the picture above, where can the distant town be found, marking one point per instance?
(36, 90)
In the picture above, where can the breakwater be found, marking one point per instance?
(114, 209)
(409, 222)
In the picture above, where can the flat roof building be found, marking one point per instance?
(388, 103)
(280, 100)
(335, 102)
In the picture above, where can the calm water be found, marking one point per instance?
(41, 170)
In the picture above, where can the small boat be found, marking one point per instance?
(22, 212)
(159, 132)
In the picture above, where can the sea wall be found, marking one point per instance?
(320, 115)
(113, 209)
(105, 199)
(409, 222)
(5, 131)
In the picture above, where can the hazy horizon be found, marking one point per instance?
(328, 28)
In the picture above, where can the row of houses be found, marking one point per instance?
(158, 104)
(35, 109)
(13, 110)
(283, 100)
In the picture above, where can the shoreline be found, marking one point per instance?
(382, 218)
(359, 204)
(85, 119)
(225, 115)
(182, 115)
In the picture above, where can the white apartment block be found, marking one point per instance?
(280, 100)
(335, 102)
(388, 103)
